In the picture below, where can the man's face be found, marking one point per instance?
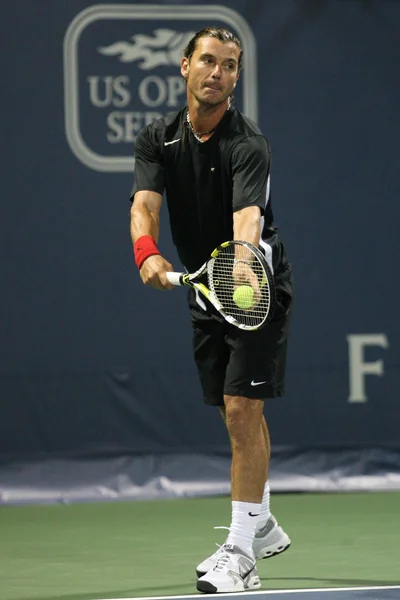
(212, 72)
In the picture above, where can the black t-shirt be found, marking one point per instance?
(206, 182)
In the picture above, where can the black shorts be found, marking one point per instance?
(241, 363)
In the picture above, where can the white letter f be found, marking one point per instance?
(359, 368)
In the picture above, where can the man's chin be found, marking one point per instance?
(213, 102)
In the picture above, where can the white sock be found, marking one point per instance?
(243, 526)
(265, 511)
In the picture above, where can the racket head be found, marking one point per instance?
(241, 285)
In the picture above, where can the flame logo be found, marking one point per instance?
(164, 48)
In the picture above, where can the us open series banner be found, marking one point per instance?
(122, 71)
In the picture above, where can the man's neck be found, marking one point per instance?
(206, 118)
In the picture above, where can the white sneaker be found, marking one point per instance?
(271, 540)
(234, 571)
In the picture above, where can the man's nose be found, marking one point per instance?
(217, 71)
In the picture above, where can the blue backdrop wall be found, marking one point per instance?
(96, 366)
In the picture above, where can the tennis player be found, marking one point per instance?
(214, 165)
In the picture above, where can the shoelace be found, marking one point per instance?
(222, 561)
(223, 557)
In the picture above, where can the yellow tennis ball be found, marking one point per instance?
(243, 296)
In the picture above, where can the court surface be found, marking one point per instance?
(379, 593)
(344, 547)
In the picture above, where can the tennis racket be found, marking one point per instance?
(238, 282)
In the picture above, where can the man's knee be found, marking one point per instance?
(243, 417)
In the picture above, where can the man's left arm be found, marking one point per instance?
(247, 225)
(250, 167)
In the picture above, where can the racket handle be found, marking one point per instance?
(174, 278)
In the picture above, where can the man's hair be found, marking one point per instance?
(221, 34)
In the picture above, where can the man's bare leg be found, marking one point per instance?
(265, 433)
(247, 487)
(265, 512)
(243, 418)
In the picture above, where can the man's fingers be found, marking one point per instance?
(168, 268)
(166, 284)
(153, 273)
(158, 282)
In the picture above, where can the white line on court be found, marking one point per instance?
(267, 592)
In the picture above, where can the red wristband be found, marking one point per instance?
(144, 247)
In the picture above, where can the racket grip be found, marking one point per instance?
(174, 278)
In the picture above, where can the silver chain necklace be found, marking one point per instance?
(198, 136)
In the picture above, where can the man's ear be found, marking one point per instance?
(184, 67)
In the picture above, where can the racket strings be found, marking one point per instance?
(239, 282)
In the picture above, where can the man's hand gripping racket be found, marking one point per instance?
(238, 282)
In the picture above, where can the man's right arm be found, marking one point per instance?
(145, 215)
(145, 221)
